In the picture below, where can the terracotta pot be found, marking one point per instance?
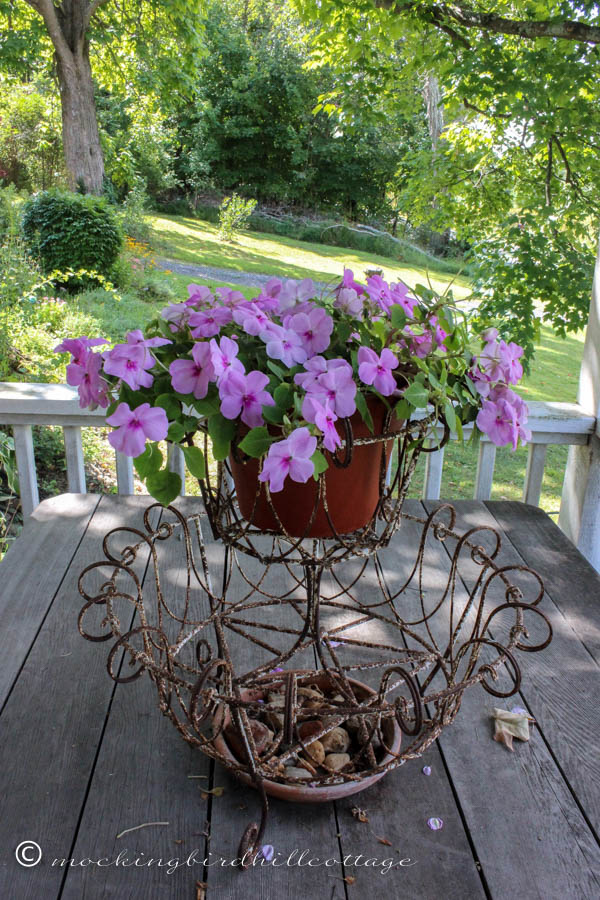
(304, 793)
(352, 492)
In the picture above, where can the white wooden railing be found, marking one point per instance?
(25, 405)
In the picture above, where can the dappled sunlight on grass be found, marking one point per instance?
(194, 241)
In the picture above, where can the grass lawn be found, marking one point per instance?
(193, 241)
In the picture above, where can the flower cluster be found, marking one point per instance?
(287, 364)
(503, 415)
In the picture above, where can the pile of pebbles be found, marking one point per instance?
(336, 752)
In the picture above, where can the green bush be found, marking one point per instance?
(71, 231)
(234, 214)
(133, 212)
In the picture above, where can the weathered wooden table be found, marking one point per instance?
(83, 759)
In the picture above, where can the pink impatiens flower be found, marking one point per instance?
(208, 322)
(245, 395)
(224, 358)
(348, 300)
(284, 344)
(314, 328)
(199, 295)
(92, 388)
(324, 418)
(131, 363)
(289, 457)
(137, 337)
(192, 376)
(251, 317)
(379, 292)
(377, 370)
(135, 426)
(78, 347)
(399, 295)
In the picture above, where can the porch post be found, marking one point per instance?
(580, 505)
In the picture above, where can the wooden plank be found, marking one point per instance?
(571, 581)
(28, 486)
(31, 573)
(536, 460)
(485, 470)
(74, 455)
(52, 721)
(441, 863)
(35, 402)
(536, 821)
(142, 775)
(290, 826)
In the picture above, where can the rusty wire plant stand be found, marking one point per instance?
(438, 641)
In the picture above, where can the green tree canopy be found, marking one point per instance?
(515, 171)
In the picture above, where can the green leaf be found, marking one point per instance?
(403, 409)
(209, 406)
(361, 405)
(284, 396)
(164, 486)
(171, 406)
(450, 415)
(194, 460)
(221, 431)
(417, 394)
(276, 370)
(149, 461)
(273, 414)
(257, 442)
(320, 463)
(176, 432)
(398, 316)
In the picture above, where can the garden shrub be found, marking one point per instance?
(133, 212)
(72, 231)
(234, 214)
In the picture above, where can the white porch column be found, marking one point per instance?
(580, 505)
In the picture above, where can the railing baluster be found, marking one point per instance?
(536, 460)
(485, 470)
(28, 486)
(176, 461)
(124, 473)
(74, 455)
(434, 463)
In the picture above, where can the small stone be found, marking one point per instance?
(307, 729)
(336, 741)
(315, 753)
(296, 772)
(337, 761)
(310, 693)
(261, 734)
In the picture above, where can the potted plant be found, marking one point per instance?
(302, 391)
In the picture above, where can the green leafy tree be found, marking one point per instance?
(251, 125)
(162, 37)
(515, 171)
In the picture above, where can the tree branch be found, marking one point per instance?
(440, 13)
(92, 9)
(47, 11)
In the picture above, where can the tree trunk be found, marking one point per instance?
(81, 141)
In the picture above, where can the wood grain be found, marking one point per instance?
(519, 806)
(53, 720)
